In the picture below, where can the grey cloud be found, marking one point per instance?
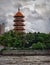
(37, 18)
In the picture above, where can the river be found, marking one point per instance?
(24, 60)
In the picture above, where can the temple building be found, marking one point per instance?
(19, 22)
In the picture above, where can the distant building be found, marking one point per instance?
(2, 28)
(19, 22)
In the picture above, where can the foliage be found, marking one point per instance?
(38, 45)
(26, 40)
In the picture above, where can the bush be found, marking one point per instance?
(38, 45)
(48, 45)
(26, 40)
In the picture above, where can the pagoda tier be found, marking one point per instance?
(21, 27)
(18, 29)
(18, 19)
(18, 14)
(18, 22)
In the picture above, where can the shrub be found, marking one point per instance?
(38, 45)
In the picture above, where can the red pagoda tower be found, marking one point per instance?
(19, 22)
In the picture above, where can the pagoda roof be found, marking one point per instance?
(19, 29)
(19, 24)
(19, 20)
(18, 14)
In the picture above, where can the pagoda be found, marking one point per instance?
(19, 22)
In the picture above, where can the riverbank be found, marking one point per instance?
(25, 52)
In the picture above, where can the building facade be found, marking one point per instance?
(2, 28)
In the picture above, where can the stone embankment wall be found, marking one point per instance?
(26, 52)
(24, 60)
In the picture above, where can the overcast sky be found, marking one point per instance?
(37, 14)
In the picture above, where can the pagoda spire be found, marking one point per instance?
(18, 9)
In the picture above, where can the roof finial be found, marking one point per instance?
(18, 9)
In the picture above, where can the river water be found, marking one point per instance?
(24, 60)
